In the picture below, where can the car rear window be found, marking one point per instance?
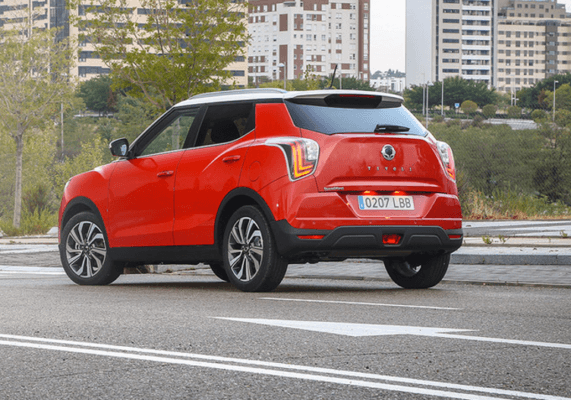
(331, 120)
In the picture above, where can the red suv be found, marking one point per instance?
(249, 181)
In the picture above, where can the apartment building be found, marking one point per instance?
(534, 42)
(508, 44)
(450, 38)
(290, 37)
(31, 14)
(25, 15)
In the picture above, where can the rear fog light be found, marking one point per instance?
(392, 239)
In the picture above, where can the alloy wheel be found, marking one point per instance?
(245, 249)
(85, 249)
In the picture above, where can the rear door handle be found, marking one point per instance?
(164, 174)
(231, 159)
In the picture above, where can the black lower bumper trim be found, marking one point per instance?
(364, 241)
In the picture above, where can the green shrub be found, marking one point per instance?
(539, 116)
(9, 229)
(469, 107)
(478, 121)
(38, 222)
(514, 112)
(489, 110)
(34, 223)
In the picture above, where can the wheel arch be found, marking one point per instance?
(77, 205)
(232, 202)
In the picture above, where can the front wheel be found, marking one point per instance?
(84, 251)
(251, 260)
(419, 272)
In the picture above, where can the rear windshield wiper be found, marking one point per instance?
(391, 128)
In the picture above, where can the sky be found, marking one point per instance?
(388, 34)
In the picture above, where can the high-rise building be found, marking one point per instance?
(294, 36)
(25, 15)
(534, 43)
(450, 38)
(508, 44)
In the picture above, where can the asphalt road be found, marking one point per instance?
(194, 337)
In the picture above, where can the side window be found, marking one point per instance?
(173, 135)
(226, 123)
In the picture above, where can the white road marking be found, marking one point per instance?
(357, 330)
(10, 269)
(311, 373)
(360, 303)
(345, 329)
(23, 249)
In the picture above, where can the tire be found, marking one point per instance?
(251, 260)
(84, 251)
(419, 273)
(219, 271)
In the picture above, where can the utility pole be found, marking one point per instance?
(442, 100)
(554, 83)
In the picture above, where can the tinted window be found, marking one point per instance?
(332, 120)
(226, 123)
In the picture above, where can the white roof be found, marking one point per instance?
(271, 94)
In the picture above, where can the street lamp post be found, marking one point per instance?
(554, 83)
(442, 100)
(282, 65)
(427, 98)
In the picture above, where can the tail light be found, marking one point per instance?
(301, 155)
(447, 159)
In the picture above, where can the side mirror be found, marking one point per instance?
(119, 147)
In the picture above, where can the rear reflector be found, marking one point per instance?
(392, 239)
(311, 237)
(455, 237)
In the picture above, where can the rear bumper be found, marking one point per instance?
(363, 241)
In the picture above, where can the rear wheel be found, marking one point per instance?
(251, 260)
(418, 272)
(84, 251)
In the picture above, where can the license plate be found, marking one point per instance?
(386, 203)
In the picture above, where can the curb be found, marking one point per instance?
(510, 259)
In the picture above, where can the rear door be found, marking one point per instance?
(210, 169)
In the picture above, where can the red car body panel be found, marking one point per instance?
(141, 201)
(92, 186)
(204, 177)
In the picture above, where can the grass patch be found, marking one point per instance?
(510, 204)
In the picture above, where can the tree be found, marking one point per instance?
(532, 97)
(562, 97)
(514, 112)
(539, 116)
(456, 90)
(489, 110)
(179, 50)
(33, 78)
(469, 107)
(97, 94)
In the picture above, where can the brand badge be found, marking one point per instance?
(388, 152)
